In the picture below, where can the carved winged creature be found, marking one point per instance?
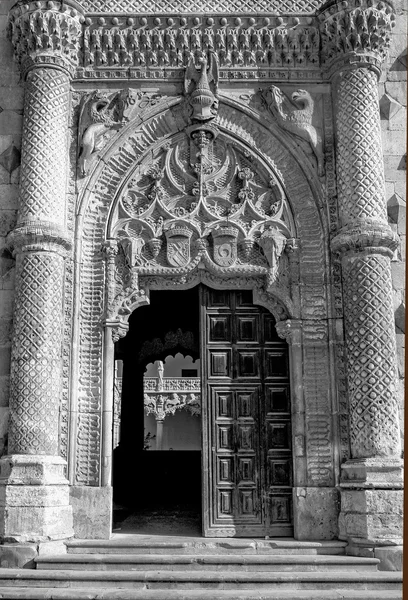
(202, 87)
(296, 118)
(96, 117)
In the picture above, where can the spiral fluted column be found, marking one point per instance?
(371, 510)
(34, 494)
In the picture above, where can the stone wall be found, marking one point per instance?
(393, 102)
(393, 115)
(11, 109)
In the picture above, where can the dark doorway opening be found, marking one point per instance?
(157, 488)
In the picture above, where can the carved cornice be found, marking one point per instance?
(355, 32)
(376, 238)
(46, 33)
(39, 236)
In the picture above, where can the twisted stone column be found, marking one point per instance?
(371, 515)
(34, 494)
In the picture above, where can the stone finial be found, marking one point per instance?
(47, 33)
(355, 32)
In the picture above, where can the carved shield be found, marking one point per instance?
(225, 246)
(178, 247)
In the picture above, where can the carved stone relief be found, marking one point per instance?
(164, 230)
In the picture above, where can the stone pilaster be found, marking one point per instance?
(356, 35)
(34, 494)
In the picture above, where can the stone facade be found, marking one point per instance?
(184, 148)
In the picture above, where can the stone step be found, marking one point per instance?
(19, 593)
(197, 562)
(169, 545)
(182, 580)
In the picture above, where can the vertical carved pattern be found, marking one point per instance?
(371, 356)
(36, 355)
(43, 160)
(359, 155)
(319, 430)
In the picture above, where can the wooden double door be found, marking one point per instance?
(247, 457)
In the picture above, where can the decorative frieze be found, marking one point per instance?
(160, 42)
(202, 6)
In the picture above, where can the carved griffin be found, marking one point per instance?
(296, 118)
(99, 113)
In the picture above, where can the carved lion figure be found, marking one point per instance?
(296, 118)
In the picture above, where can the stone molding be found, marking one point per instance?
(46, 33)
(377, 239)
(35, 236)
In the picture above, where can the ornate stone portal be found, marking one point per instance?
(162, 151)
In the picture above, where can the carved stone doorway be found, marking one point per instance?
(157, 491)
(241, 481)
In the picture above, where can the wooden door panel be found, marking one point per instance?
(247, 364)
(277, 400)
(247, 329)
(219, 328)
(220, 364)
(225, 469)
(246, 438)
(276, 364)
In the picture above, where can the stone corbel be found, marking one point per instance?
(272, 241)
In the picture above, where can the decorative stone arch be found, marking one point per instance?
(305, 301)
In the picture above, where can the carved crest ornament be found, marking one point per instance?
(203, 202)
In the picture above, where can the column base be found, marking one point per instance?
(316, 513)
(390, 557)
(34, 499)
(371, 517)
(92, 509)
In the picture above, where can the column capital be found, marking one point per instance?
(355, 33)
(46, 33)
(377, 237)
(289, 330)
